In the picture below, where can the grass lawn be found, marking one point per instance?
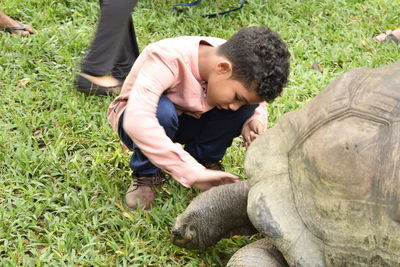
(62, 172)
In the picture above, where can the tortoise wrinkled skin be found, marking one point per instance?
(326, 178)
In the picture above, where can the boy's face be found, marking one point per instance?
(225, 93)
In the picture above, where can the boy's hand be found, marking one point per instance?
(250, 132)
(211, 178)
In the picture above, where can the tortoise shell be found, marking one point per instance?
(342, 155)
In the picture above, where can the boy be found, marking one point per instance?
(201, 92)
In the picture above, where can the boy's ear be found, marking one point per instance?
(224, 67)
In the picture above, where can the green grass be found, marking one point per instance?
(63, 174)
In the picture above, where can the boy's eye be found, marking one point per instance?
(239, 99)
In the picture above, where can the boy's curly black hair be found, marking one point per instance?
(260, 60)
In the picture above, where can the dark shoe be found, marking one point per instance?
(85, 86)
(141, 192)
(217, 166)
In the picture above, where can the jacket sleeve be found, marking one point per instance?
(141, 123)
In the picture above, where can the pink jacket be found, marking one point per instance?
(168, 67)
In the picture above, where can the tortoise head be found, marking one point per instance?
(215, 214)
(188, 232)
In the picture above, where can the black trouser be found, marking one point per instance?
(114, 48)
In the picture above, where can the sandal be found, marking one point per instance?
(392, 37)
(387, 37)
(20, 27)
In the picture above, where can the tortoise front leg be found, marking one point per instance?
(258, 254)
(272, 211)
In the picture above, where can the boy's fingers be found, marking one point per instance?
(232, 176)
(250, 138)
(221, 175)
(246, 144)
(225, 180)
(259, 130)
(215, 178)
(204, 186)
(256, 127)
(253, 135)
(229, 181)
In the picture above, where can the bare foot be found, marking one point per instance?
(104, 81)
(382, 37)
(7, 22)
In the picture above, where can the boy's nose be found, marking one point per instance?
(234, 106)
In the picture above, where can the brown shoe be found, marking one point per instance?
(141, 192)
(217, 166)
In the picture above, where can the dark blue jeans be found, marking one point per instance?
(206, 138)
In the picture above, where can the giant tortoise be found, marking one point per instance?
(324, 187)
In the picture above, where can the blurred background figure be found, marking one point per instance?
(9, 25)
(112, 52)
(389, 36)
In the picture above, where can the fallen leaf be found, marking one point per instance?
(37, 132)
(23, 82)
(127, 215)
(316, 67)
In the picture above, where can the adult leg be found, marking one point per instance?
(207, 138)
(127, 53)
(112, 32)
